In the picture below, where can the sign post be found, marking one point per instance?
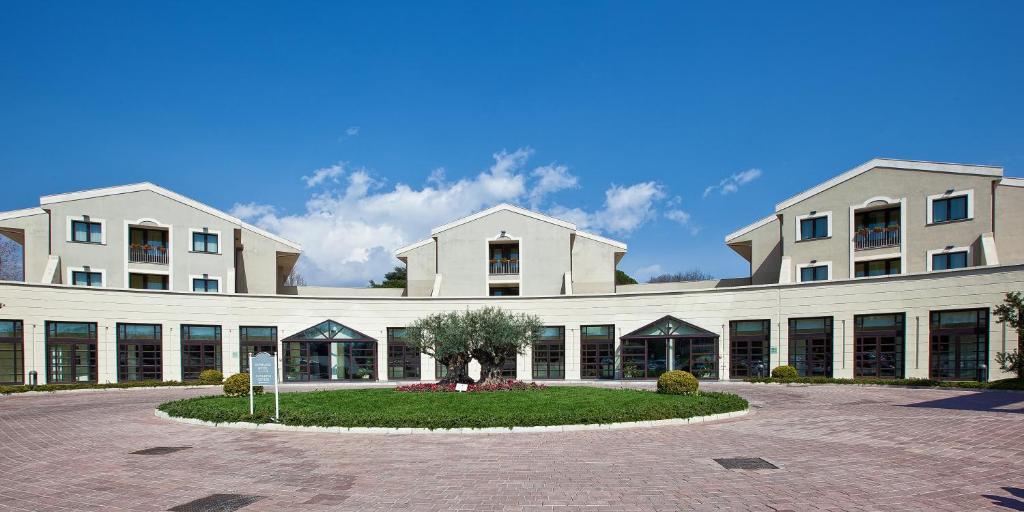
(263, 372)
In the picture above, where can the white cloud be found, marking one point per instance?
(348, 232)
(733, 183)
(683, 219)
(352, 131)
(625, 209)
(249, 211)
(550, 179)
(325, 174)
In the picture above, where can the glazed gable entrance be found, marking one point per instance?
(669, 344)
(329, 351)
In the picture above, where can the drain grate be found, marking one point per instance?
(746, 463)
(217, 503)
(160, 450)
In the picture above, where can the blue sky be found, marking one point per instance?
(618, 115)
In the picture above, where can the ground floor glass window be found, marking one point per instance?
(878, 346)
(749, 348)
(810, 346)
(403, 360)
(12, 352)
(597, 352)
(200, 350)
(323, 360)
(549, 354)
(253, 340)
(959, 344)
(71, 352)
(139, 352)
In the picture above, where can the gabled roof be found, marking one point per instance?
(515, 209)
(146, 186)
(504, 207)
(329, 330)
(748, 229)
(910, 165)
(670, 327)
(26, 212)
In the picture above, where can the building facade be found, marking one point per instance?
(889, 270)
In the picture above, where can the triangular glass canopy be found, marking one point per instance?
(329, 330)
(670, 327)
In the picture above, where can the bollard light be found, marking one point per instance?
(33, 378)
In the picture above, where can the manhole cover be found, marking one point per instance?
(160, 450)
(746, 463)
(217, 503)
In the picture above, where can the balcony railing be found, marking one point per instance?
(147, 254)
(875, 238)
(504, 267)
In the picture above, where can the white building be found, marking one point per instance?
(890, 269)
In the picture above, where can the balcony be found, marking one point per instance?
(147, 254)
(876, 238)
(503, 267)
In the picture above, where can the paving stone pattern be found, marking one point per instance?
(837, 448)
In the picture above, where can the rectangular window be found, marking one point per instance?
(205, 242)
(877, 267)
(597, 352)
(959, 344)
(139, 352)
(549, 354)
(815, 273)
(949, 209)
(253, 340)
(147, 246)
(87, 232)
(205, 285)
(504, 291)
(147, 281)
(70, 352)
(814, 227)
(878, 346)
(82, 278)
(810, 346)
(12, 352)
(949, 260)
(200, 350)
(749, 348)
(403, 360)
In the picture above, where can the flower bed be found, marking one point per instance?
(509, 385)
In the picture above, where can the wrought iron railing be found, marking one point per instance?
(876, 237)
(147, 254)
(504, 267)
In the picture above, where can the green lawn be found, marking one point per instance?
(555, 405)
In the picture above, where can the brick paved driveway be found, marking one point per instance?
(838, 448)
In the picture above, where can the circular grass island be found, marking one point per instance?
(388, 408)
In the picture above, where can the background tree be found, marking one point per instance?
(10, 260)
(623, 278)
(397, 278)
(500, 336)
(1011, 312)
(446, 337)
(294, 279)
(682, 277)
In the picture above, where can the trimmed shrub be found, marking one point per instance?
(677, 382)
(238, 385)
(211, 376)
(784, 372)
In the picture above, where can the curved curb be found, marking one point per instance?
(276, 427)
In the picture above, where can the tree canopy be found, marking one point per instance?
(489, 335)
(1011, 312)
(623, 278)
(397, 278)
(682, 277)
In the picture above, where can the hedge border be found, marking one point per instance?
(54, 388)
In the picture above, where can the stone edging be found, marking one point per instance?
(276, 427)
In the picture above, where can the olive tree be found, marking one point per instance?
(1010, 312)
(500, 336)
(489, 335)
(446, 337)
